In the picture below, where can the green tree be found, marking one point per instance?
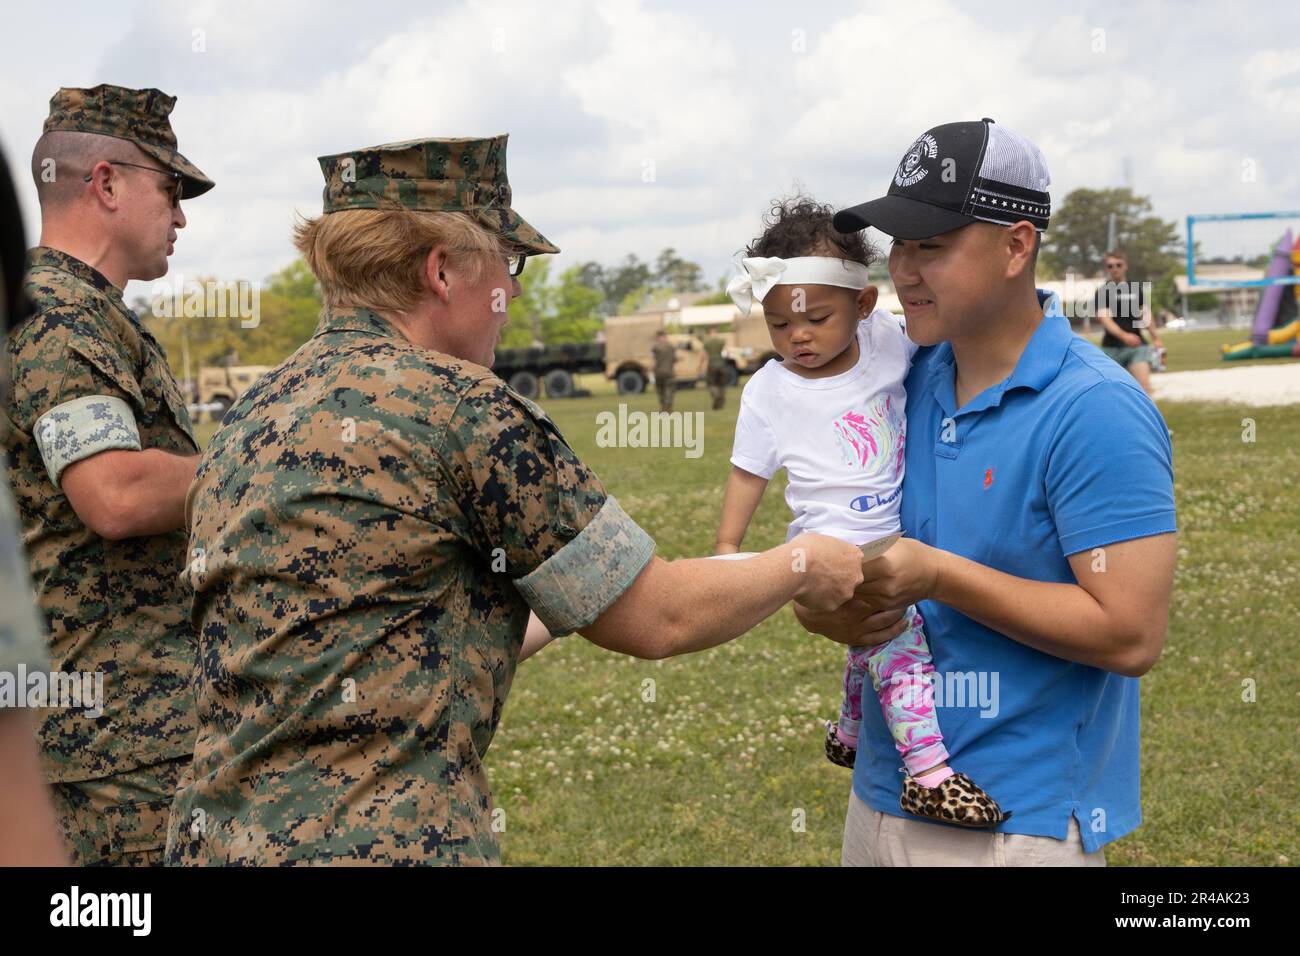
(529, 308)
(287, 309)
(573, 313)
(1076, 240)
(675, 273)
(622, 282)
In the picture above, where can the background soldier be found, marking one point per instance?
(28, 833)
(713, 346)
(102, 455)
(379, 513)
(665, 357)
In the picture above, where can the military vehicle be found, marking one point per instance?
(220, 385)
(624, 357)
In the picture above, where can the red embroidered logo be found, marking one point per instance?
(988, 477)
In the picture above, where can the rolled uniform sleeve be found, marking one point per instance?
(84, 427)
(536, 512)
(74, 389)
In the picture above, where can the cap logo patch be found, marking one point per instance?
(912, 169)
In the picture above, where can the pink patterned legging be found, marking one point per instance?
(900, 673)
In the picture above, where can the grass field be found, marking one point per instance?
(710, 763)
(713, 769)
(1202, 349)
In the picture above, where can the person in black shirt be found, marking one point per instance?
(1124, 312)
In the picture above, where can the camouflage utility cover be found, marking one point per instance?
(434, 175)
(88, 377)
(138, 116)
(371, 526)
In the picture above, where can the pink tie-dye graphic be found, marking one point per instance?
(874, 439)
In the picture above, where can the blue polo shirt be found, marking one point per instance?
(1066, 455)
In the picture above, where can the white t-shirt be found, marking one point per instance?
(840, 439)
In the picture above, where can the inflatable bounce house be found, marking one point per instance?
(1276, 332)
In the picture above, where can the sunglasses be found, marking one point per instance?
(1114, 265)
(515, 264)
(175, 176)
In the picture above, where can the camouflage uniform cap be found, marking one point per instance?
(137, 116)
(433, 175)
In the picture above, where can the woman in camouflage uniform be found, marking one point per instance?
(376, 518)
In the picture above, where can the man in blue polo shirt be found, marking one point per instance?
(1045, 584)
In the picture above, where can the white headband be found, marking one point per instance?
(758, 275)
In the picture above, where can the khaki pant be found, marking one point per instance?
(665, 385)
(872, 838)
(119, 820)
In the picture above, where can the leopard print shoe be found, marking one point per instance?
(955, 800)
(837, 751)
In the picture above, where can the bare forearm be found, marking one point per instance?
(739, 502)
(693, 604)
(160, 492)
(734, 595)
(1149, 323)
(1063, 620)
(125, 494)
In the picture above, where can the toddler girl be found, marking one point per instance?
(831, 413)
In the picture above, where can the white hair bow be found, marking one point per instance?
(758, 275)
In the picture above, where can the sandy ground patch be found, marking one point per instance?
(1249, 385)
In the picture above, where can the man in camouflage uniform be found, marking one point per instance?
(102, 454)
(372, 524)
(665, 359)
(717, 372)
(29, 835)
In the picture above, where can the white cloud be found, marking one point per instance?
(724, 102)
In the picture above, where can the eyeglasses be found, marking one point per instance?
(516, 264)
(1114, 265)
(175, 176)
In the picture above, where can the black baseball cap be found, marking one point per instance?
(956, 174)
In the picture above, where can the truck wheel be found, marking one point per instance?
(223, 406)
(630, 382)
(733, 376)
(525, 383)
(559, 383)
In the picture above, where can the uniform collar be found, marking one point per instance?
(349, 319)
(43, 257)
(1038, 365)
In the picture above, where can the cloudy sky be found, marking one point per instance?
(1196, 104)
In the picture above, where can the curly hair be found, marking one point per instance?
(800, 226)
